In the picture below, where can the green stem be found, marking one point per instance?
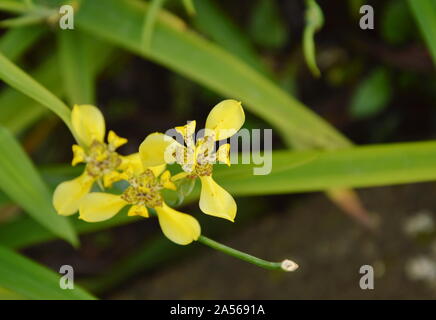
(285, 265)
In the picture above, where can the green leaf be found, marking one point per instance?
(22, 183)
(189, 6)
(266, 25)
(33, 281)
(75, 67)
(372, 95)
(149, 22)
(213, 22)
(292, 171)
(314, 22)
(13, 6)
(179, 49)
(367, 166)
(22, 111)
(396, 23)
(424, 12)
(17, 40)
(21, 81)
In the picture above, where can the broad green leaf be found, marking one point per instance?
(33, 281)
(292, 172)
(424, 12)
(75, 67)
(314, 22)
(6, 294)
(21, 81)
(372, 95)
(22, 183)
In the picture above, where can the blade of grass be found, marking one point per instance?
(22, 183)
(21, 81)
(33, 281)
(78, 78)
(149, 23)
(424, 12)
(314, 22)
(13, 6)
(23, 111)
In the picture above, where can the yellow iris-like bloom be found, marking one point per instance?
(197, 157)
(103, 164)
(144, 192)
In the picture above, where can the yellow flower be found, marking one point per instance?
(144, 191)
(197, 157)
(103, 164)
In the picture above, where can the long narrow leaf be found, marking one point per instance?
(22, 183)
(34, 281)
(293, 172)
(75, 67)
(424, 12)
(17, 40)
(18, 79)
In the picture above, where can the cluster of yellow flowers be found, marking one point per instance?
(146, 172)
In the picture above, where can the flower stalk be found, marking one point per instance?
(286, 265)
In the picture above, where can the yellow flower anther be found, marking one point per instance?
(79, 155)
(115, 141)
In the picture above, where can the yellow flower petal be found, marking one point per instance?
(99, 206)
(69, 194)
(132, 162)
(138, 211)
(157, 170)
(216, 201)
(179, 227)
(225, 119)
(157, 149)
(223, 154)
(115, 141)
(187, 131)
(110, 178)
(165, 180)
(179, 176)
(78, 155)
(88, 123)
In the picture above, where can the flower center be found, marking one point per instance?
(144, 190)
(101, 159)
(198, 159)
